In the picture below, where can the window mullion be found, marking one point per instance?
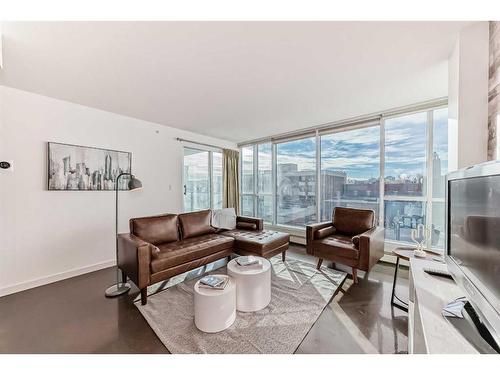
(430, 177)
(211, 179)
(382, 173)
(318, 177)
(274, 173)
(255, 178)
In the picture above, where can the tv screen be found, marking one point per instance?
(474, 231)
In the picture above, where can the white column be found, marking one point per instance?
(468, 97)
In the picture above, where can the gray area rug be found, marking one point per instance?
(299, 295)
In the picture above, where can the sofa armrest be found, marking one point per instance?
(311, 231)
(134, 258)
(371, 247)
(249, 223)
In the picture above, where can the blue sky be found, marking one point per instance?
(357, 151)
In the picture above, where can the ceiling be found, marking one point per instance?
(231, 80)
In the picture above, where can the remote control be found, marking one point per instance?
(436, 272)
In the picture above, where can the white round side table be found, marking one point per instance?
(214, 309)
(253, 285)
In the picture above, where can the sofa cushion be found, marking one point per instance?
(246, 226)
(194, 224)
(156, 229)
(176, 253)
(350, 221)
(336, 245)
(257, 242)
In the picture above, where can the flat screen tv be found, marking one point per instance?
(473, 239)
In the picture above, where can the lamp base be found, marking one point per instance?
(117, 290)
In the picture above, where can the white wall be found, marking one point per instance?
(468, 96)
(50, 235)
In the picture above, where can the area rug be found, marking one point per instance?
(299, 293)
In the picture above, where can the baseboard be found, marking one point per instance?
(14, 288)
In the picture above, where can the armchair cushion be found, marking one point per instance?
(324, 232)
(334, 247)
(352, 222)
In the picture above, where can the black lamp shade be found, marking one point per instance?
(134, 183)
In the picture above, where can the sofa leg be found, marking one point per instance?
(144, 296)
(319, 263)
(355, 275)
(283, 256)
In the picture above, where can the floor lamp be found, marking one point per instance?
(121, 287)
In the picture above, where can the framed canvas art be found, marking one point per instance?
(73, 167)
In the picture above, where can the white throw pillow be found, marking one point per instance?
(224, 218)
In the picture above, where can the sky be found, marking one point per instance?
(357, 152)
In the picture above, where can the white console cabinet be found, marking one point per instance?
(428, 331)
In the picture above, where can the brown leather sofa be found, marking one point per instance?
(351, 238)
(159, 247)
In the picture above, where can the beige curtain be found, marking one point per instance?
(230, 179)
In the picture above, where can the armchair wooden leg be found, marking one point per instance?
(355, 275)
(144, 296)
(319, 263)
(283, 256)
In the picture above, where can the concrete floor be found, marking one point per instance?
(73, 316)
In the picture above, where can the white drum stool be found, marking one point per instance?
(214, 309)
(253, 285)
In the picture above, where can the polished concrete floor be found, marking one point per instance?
(73, 316)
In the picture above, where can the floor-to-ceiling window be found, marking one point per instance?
(296, 182)
(217, 179)
(394, 165)
(439, 170)
(202, 179)
(247, 181)
(264, 182)
(350, 170)
(405, 175)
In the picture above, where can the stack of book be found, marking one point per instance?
(214, 282)
(249, 262)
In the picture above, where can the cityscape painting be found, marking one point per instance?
(72, 167)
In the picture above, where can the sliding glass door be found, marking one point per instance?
(196, 180)
(202, 179)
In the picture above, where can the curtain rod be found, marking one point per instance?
(198, 143)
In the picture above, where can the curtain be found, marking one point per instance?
(230, 180)
(494, 92)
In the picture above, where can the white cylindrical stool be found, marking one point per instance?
(214, 310)
(253, 286)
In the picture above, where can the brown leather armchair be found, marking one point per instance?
(351, 238)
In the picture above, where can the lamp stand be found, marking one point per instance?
(120, 287)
